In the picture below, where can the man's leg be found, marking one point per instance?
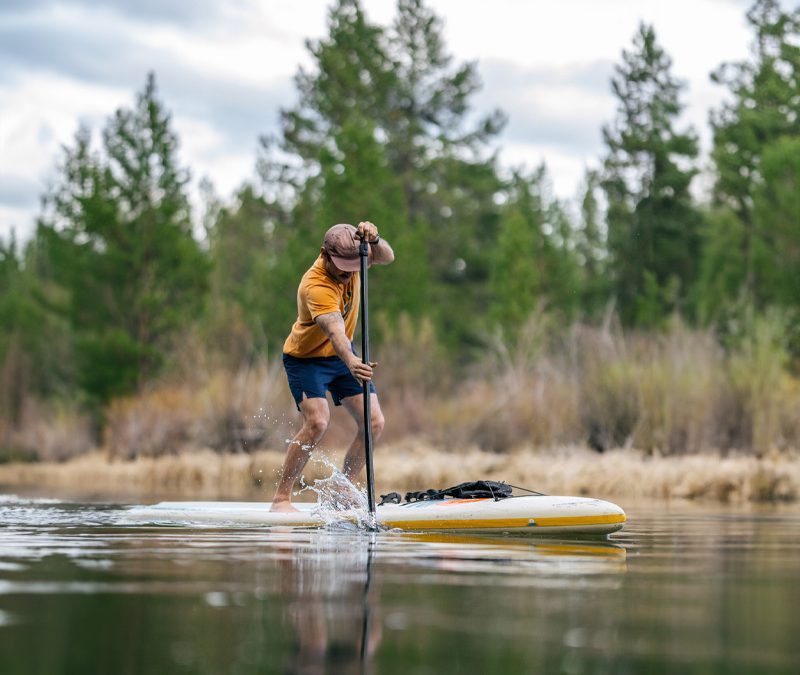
(316, 416)
(355, 458)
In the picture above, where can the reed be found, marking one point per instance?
(534, 397)
(676, 392)
(235, 411)
(762, 398)
(657, 393)
(413, 464)
(53, 430)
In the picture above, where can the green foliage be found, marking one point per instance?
(720, 278)
(16, 319)
(118, 235)
(114, 285)
(382, 132)
(761, 111)
(35, 358)
(653, 226)
(776, 220)
(365, 186)
(440, 155)
(250, 283)
(533, 263)
(591, 251)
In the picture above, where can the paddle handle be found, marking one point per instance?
(363, 251)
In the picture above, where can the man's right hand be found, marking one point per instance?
(360, 370)
(332, 325)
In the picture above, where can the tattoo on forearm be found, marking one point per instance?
(333, 326)
(330, 322)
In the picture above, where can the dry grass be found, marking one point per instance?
(228, 411)
(672, 393)
(674, 414)
(413, 465)
(48, 431)
(616, 474)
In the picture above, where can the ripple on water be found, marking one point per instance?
(16, 499)
(707, 579)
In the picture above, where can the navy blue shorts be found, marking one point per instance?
(315, 376)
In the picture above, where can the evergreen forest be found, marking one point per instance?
(646, 312)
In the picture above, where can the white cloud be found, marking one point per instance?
(211, 156)
(40, 114)
(10, 217)
(566, 171)
(224, 69)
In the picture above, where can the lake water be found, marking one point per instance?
(682, 589)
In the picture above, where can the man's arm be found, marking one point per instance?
(382, 253)
(332, 325)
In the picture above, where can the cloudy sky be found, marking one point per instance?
(225, 67)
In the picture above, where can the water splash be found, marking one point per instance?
(340, 503)
(305, 447)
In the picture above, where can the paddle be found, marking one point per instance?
(363, 251)
(366, 619)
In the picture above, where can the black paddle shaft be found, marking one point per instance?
(363, 251)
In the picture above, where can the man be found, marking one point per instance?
(318, 355)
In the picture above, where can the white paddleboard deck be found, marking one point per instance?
(529, 514)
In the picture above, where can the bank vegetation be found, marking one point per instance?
(655, 316)
(582, 410)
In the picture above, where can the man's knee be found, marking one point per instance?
(317, 425)
(316, 420)
(377, 422)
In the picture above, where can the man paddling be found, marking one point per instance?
(319, 357)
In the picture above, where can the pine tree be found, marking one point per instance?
(653, 227)
(776, 220)
(534, 263)
(118, 233)
(35, 355)
(441, 156)
(591, 251)
(382, 132)
(764, 109)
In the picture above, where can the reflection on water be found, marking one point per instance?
(679, 590)
(330, 592)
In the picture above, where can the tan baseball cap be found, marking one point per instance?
(342, 246)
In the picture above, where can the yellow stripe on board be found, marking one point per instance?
(500, 523)
(464, 524)
(561, 521)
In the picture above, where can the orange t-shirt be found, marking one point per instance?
(319, 294)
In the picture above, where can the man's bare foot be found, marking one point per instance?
(283, 506)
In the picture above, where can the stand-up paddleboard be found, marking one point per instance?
(541, 514)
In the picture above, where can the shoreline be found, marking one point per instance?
(400, 467)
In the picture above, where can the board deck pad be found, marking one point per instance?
(540, 514)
